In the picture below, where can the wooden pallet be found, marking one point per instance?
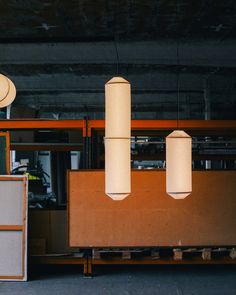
(147, 256)
(122, 253)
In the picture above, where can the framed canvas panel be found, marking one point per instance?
(13, 228)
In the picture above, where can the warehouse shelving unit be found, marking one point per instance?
(89, 129)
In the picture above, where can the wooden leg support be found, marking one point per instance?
(155, 254)
(96, 254)
(232, 253)
(206, 254)
(178, 254)
(126, 255)
(88, 272)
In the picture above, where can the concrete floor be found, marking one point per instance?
(127, 280)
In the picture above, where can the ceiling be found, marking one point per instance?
(60, 53)
(132, 20)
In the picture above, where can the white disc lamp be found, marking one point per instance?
(4, 86)
(117, 138)
(7, 91)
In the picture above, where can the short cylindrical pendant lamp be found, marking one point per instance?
(178, 164)
(7, 91)
(117, 138)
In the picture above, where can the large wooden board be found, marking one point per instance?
(149, 217)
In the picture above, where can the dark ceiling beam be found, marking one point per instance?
(143, 107)
(110, 69)
(210, 54)
(98, 91)
(100, 20)
(64, 82)
(100, 108)
(139, 98)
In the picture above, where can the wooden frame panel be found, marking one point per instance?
(20, 228)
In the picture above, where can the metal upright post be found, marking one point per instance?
(207, 112)
(86, 155)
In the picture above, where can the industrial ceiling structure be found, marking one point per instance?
(61, 53)
(171, 135)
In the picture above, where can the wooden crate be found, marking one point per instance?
(49, 226)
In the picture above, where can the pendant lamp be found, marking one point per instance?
(4, 87)
(117, 138)
(7, 91)
(178, 158)
(178, 164)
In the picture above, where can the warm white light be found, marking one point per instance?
(7, 91)
(178, 164)
(117, 138)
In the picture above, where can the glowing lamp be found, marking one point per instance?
(4, 87)
(117, 138)
(7, 91)
(178, 164)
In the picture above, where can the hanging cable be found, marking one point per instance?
(116, 36)
(117, 57)
(178, 68)
(178, 84)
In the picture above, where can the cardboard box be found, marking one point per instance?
(37, 246)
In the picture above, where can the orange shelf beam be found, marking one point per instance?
(171, 124)
(43, 124)
(208, 125)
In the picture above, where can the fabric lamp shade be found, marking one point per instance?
(10, 96)
(117, 138)
(178, 164)
(117, 163)
(4, 87)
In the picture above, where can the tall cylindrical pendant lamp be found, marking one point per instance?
(117, 138)
(178, 164)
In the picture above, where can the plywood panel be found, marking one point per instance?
(149, 217)
(11, 207)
